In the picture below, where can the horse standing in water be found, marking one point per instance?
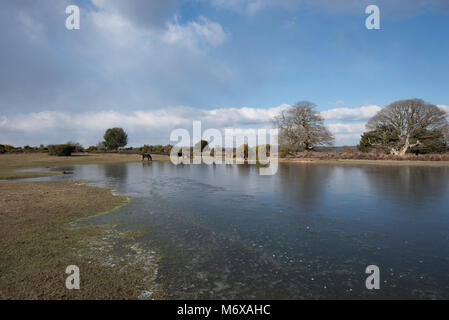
(147, 155)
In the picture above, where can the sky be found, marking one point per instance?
(151, 66)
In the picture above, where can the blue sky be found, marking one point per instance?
(151, 66)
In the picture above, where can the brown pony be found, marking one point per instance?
(147, 155)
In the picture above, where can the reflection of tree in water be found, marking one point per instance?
(117, 172)
(409, 185)
(304, 183)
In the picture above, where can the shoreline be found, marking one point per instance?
(10, 163)
(40, 236)
(366, 162)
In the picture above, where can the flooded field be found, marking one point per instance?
(225, 232)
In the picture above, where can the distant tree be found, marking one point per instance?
(301, 128)
(146, 148)
(407, 126)
(200, 145)
(115, 138)
(168, 148)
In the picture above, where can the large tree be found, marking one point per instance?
(115, 138)
(407, 126)
(301, 127)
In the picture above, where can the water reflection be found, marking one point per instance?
(307, 232)
(410, 185)
(305, 185)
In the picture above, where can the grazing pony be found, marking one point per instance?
(147, 155)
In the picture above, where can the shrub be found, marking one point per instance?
(43, 148)
(9, 148)
(284, 151)
(146, 148)
(2, 148)
(78, 147)
(61, 150)
(349, 149)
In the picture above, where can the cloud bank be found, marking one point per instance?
(154, 126)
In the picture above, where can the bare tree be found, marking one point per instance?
(302, 128)
(408, 119)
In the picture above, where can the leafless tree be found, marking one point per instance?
(301, 127)
(408, 119)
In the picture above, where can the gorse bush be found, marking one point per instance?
(156, 148)
(61, 150)
(78, 147)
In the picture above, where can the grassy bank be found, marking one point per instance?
(10, 163)
(37, 244)
(366, 162)
(369, 158)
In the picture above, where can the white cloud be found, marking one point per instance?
(252, 7)
(195, 33)
(360, 113)
(338, 128)
(149, 126)
(144, 126)
(347, 133)
(443, 107)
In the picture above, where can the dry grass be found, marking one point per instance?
(9, 163)
(36, 244)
